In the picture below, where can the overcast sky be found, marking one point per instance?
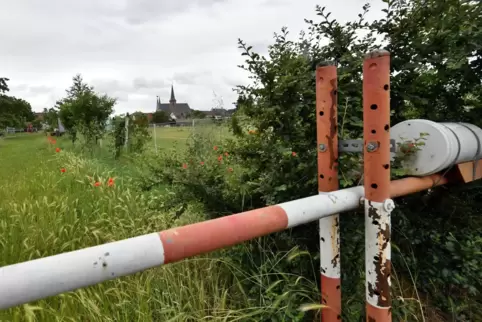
(135, 49)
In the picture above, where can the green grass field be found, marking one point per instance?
(44, 211)
(166, 137)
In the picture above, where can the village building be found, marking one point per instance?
(176, 111)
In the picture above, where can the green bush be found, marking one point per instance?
(274, 150)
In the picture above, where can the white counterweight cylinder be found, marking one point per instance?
(446, 144)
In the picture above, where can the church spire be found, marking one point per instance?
(173, 98)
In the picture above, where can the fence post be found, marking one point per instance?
(127, 131)
(155, 137)
(378, 205)
(327, 138)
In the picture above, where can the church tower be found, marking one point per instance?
(172, 101)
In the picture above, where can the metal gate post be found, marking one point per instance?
(378, 205)
(326, 128)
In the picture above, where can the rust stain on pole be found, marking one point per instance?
(327, 139)
(378, 205)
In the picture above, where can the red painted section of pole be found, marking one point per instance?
(378, 205)
(207, 236)
(329, 227)
(406, 186)
(376, 126)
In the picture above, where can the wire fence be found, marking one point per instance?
(165, 134)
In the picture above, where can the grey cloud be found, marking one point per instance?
(141, 11)
(134, 49)
(192, 77)
(31, 89)
(143, 83)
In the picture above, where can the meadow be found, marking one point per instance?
(55, 199)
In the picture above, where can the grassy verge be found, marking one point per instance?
(45, 211)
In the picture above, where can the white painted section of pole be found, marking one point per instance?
(377, 251)
(44, 277)
(309, 209)
(445, 145)
(329, 228)
(40, 278)
(330, 246)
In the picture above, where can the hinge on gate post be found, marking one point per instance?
(356, 146)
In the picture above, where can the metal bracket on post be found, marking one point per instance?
(356, 146)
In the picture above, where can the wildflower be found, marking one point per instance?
(201, 163)
(293, 153)
(230, 169)
(110, 183)
(62, 170)
(220, 158)
(97, 184)
(57, 150)
(226, 153)
(215, 148)
(184, 165)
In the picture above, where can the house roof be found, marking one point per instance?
(173, 106)
(177, 108)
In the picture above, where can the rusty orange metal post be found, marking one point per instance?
(326, 126)
(378, 205)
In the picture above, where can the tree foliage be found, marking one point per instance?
(195, 114)
(436, 59)
(3, 85)
(84, 111)
(133, 128)
(51, 117)
(14, 112)
(160, 117)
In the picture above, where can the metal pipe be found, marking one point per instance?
(329, 227)
(378, 205)
(444, 144)
(40, 278)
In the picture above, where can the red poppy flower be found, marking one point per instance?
(57, 150)
(230, 169)
(110, 183)
(226, 153)
(201, 163)
(62, 170)
(215, 148)
(184, 165)
(97, 184)
(293, 154)
(220, 158)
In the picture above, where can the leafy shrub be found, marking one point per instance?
(136, 133)
(433, 76)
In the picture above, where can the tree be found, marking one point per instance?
(436, 49)
(85, 111)
(14, 112)
(3, 85)
(195, 114)
(140, 119)
(51, 117)
(160, 117)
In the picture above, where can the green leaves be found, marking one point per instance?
(85, 111)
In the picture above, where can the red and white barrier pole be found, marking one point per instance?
(326, 128)
(378, 205)
(40, 278)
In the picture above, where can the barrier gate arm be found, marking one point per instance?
(40, 278)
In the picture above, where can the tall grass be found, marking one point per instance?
(44, 211)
